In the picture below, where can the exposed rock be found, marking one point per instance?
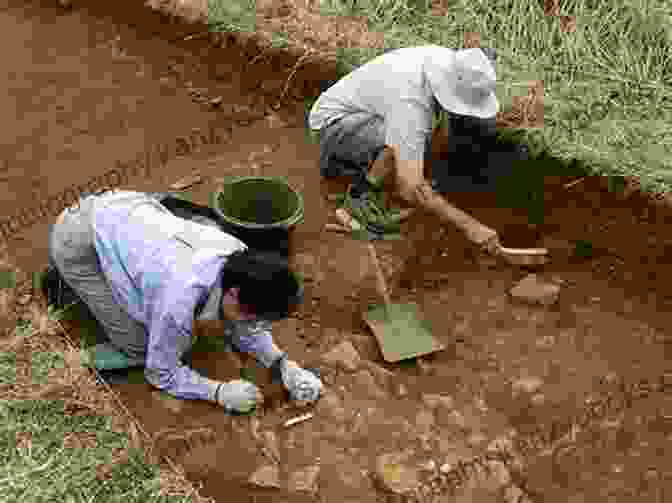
(527, 385)
(532, 290)
(395, 475)
(304, 480)
(344, 356)
(266, 476)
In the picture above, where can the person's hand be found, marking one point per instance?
(303, 386)
(491, 245)
(238, 396)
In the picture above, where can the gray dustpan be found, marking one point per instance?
(400, 332)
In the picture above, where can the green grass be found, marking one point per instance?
(607, 86)
(44, 469)
(48, 471)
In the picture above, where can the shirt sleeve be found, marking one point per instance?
(168, 339)
(408, 127)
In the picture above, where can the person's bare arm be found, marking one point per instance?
(418, 192)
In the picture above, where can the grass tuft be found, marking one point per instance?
(607, 83)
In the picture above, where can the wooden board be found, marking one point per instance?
(402, 334)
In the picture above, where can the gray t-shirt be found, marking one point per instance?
(392, 86)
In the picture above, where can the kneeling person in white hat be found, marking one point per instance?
(147, 275)
(380, 117)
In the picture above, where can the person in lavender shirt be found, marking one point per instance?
(147, 275)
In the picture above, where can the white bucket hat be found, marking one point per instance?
(463, 81)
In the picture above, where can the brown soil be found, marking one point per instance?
(86, 89)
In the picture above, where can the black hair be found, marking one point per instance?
(266, 284)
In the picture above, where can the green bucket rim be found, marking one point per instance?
(293, 220)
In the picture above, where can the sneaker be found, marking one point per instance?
(55, 290)
(107, 357)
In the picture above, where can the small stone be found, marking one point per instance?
(481, 405)
(24, 299)
(344, 356)
(394, 475)
(266, 476)
(446, 468)
(434, 401)
(402, 390)
(534, 291)
(428, 466)
(527, 385)
(546, 342)
(651, 474)
(304, 480)
(538, 399)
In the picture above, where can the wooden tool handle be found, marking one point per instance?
(380, 278)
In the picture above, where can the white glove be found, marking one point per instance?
(238, 396)
(302, 385)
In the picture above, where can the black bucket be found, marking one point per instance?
(260, 211)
